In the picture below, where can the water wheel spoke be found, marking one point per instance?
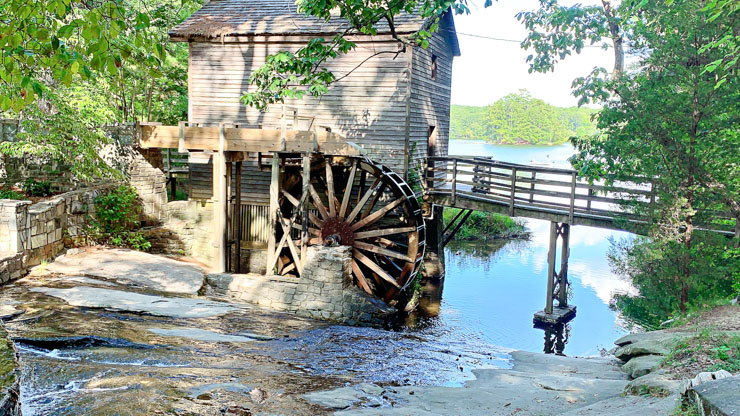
(383, 232)
(360, 277)
(314, 231)
(382, 251)
(376, 198)
(315, 220)
(352, 215)
(375, 268)
(348, 190)
(375, 216)
(317, 202)
(330, 191)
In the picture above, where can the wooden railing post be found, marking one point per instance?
(513, 192)
(454, 181)
(590, 194)
(531, 187)
(572, 197)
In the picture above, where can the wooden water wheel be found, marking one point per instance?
(351, 201)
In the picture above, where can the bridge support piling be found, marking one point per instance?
(433, 273)
(557, 280)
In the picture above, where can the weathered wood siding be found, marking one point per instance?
(430, 99)
(368, 106)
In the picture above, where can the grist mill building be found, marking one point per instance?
(394, 104)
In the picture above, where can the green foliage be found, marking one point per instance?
(32, 187)
(519, 119)
(11, 194)
(485, 225)
(651, 266)
(7, 361)
(65, 135)
(713, 351)
(68, 67)
(116, 219)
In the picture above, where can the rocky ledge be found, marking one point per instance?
(9, 390)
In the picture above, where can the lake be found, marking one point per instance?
(492, 290)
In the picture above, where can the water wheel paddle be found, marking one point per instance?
(354, 202)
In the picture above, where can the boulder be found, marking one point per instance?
(656, 383)
(717, 397)
(657, 346)
(642, 365)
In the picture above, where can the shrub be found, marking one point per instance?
(32, 187)
(483, 225)
(11, 194)
(116, 219)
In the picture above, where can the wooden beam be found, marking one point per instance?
(553, 246)
(273, 217)
(305, 239)
(238, 217)
(220, 206)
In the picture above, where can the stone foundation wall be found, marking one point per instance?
(325, 291)
(31, 234)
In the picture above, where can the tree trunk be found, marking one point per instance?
(616, 35)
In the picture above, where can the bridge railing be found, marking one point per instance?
(549, 191)
(536, 187)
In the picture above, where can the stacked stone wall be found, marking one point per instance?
(32, 234)
(324, 291)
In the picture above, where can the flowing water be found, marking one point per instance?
(94, 362)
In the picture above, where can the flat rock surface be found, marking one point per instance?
(628, 406)
(132, 268)
(592, 367)
(722, 396)
(93, 297)
(537, 384)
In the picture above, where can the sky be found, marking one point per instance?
(489, 69)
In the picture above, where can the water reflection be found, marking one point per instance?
(494, 288)
(556, 336)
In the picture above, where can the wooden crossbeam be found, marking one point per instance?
(184, 137)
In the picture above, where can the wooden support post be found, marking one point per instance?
(551, 253)
(590, 194)
(563, 274)
(304, 197)
(572, 197)
(283, 130)
(450, 236)
(274, 206)
(220, 205)
(238, 217)
(513, 192)
(531, 187)
(229, 216)
(181, 141)
(454, 181)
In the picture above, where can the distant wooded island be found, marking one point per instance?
(520, 119)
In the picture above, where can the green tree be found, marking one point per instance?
(68, 68)
(669, 121)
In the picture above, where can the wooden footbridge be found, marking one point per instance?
(473, 183)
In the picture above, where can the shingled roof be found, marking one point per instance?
(275, 17)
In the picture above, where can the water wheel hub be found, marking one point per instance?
(337, 231)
